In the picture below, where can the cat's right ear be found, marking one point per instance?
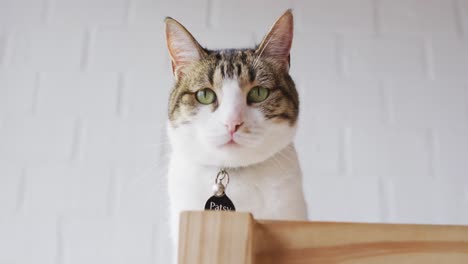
(277, 43)
(182, 46)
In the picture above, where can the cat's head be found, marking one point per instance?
(232, 107)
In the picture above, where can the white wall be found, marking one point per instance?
(83, 88)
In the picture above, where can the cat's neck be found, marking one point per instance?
(285, 157)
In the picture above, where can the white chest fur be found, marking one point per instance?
(270, 190)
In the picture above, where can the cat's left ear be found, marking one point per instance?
(277, 43)
(183, 48)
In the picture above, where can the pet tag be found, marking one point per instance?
(220, 201)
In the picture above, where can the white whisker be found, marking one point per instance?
(277, 162)
(284, 156)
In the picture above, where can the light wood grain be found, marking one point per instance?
(303, 242)
(270, 242)
(213, 238)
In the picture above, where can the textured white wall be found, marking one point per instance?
(83, 88)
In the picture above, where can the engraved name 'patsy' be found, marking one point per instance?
(216, 207)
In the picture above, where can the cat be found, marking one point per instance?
(235, 109)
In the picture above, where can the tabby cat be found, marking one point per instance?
(235, 109)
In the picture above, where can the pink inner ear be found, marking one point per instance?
(182, 47)
(277, 43)
(173, 67)
(279, 47)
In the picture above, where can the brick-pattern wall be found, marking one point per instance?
(83, 86)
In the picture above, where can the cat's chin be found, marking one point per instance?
(200, 151)
(236, 155)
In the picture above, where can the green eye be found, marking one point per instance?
(258, 94)
(205, 96)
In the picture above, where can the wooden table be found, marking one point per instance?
(210, 237)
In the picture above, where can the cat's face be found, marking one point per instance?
(232, 108)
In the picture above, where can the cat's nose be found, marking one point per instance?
(233, 126)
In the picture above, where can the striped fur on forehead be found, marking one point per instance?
(250, 70)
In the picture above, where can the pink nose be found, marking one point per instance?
(233, 126)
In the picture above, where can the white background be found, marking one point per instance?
(83, 89)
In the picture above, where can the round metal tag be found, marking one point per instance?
(219, 203)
